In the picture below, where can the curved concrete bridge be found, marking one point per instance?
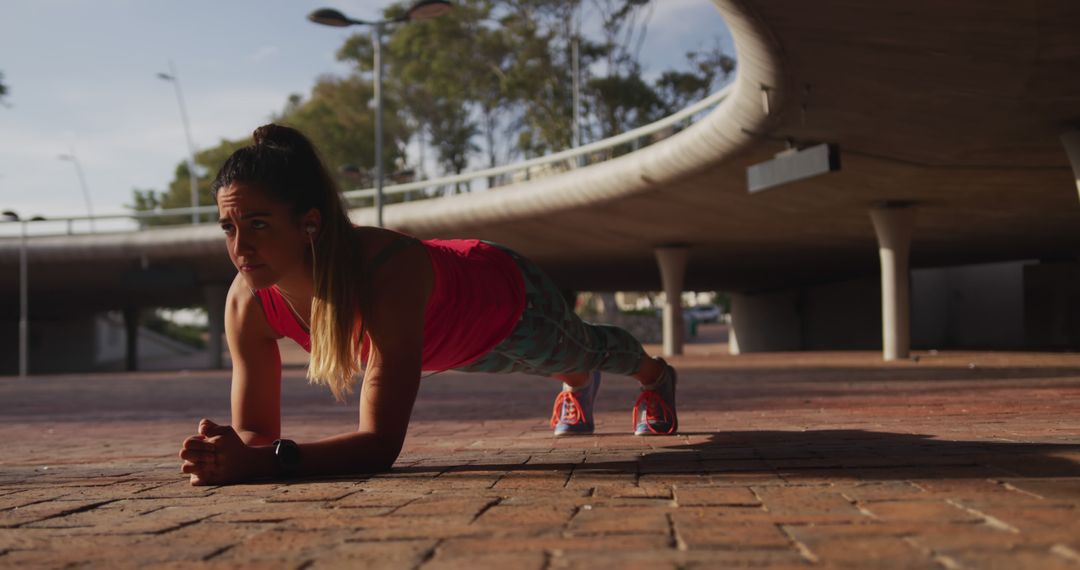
(954, 111)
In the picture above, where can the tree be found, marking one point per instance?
(678, 89)
(492, 76)
(3, 90)
(341, 123)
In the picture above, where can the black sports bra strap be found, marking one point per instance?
(384, 255)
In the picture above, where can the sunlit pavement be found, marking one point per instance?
(784, 460)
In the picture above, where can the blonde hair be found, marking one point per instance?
(284, 163)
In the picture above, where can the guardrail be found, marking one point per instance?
(567, 159)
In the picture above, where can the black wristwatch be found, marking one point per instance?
(287, 454)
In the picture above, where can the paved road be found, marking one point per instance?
(785, 461)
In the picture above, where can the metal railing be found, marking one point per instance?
(566, 160)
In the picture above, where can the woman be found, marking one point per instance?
(352, 295)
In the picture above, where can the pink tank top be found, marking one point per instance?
(477, 300)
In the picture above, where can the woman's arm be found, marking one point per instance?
(392, 378)
(395, 323)
(220, 454)
(256, 367)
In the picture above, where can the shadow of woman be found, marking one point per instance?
(817, 454)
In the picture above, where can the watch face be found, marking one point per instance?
(287, 452)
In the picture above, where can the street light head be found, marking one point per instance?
(165, 76)
(67, 157)
(428, 9)
(330, 17)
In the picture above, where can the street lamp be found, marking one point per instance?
(24, 300)
(175, 79)
(70, 157)
(420, 10)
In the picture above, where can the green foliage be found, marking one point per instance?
(190, 335)
(491, 77)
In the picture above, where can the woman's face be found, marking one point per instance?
(264, 239)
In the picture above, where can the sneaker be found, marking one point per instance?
(573, 411)
(654, 410)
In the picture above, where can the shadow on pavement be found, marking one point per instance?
(813, 454)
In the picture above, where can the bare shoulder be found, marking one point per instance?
(244, 312)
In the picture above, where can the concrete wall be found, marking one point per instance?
(55, 346)
(844, 315)
(91, 343)
(767, 322)
(1052, 297)
(975, 306)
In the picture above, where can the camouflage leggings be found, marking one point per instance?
(551, 339)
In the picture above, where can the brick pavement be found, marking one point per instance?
(785, 461)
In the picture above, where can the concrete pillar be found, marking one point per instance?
(672, 260)
(131, 338)
(733, 340)
(893, 225)
(215, 312)
(1071, 141)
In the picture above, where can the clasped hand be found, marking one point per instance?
(216, 456)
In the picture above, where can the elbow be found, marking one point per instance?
(387, 452)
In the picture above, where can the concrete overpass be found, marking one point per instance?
(955, 111)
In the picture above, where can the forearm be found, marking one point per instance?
(256, 439)
(344, 454)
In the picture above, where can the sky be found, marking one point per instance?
(82, 79)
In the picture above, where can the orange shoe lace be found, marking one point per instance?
(574, 413)
(653, 403)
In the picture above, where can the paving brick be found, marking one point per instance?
(318, 491)
(615, 520)
(1064, 489)
(376, 555)
(878, 491)
(1016, 557)
(515, 560)
(436, 505)
(44, 511)
(549, 515)
(689, 496)
(916, 510)
(698, 532)
(830, 460)
(369, 498)
(809, 503)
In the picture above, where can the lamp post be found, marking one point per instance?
(420, 10)
(70, 157)
(172, 77)
(24, 302)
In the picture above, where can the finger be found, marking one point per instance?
(200, 444)
(210, 429)
(205, 424)
(189, 467)
(197, 456)
(197, 481)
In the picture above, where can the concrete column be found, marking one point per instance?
(893, 225)
(131, 338)
(1071, 141)
(672, 260)
(733, 340)
(215, 312)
